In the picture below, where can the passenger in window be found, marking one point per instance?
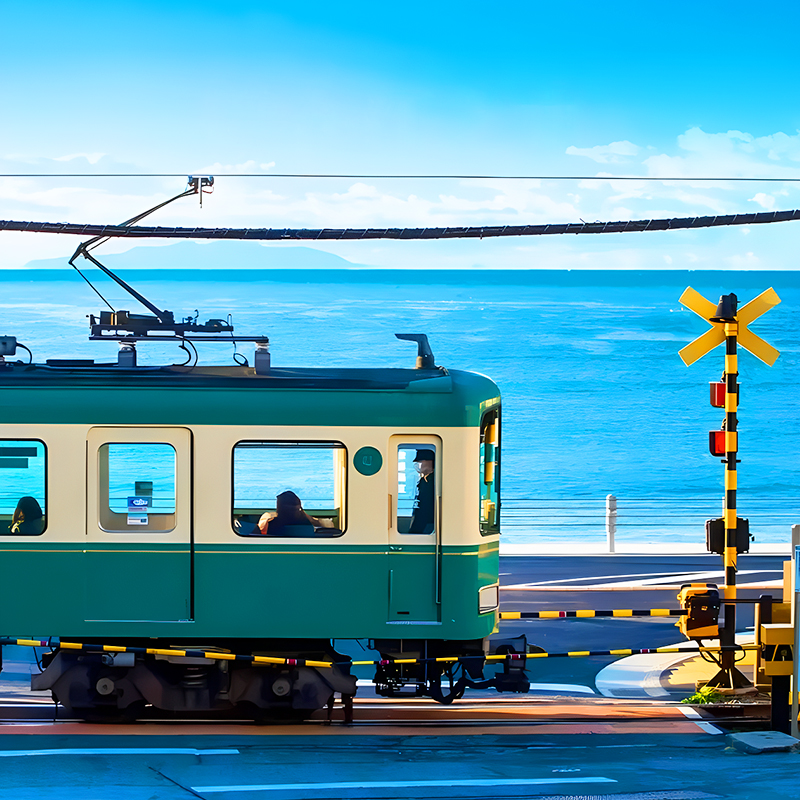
(28, 519)
(422, 514)
(290, 519)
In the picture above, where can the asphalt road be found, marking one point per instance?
(598, 582)
(604, 767)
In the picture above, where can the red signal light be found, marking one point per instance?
(717, 394)
(716, 443)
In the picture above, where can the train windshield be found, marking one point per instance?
(292, 489)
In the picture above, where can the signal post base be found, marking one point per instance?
(731, 680)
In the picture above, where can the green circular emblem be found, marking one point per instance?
(367, 461)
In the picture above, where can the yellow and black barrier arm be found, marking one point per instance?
(590, 613)
(385, 662)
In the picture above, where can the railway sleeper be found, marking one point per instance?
(116, 686)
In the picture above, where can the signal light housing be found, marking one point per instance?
(701, 602)
(716, 443)
(715, 535)
(717, 392)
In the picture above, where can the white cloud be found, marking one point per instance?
(764, 200)
(729, 154)
(744, 261)
(279, 203)
(92, 158)
(614, 153)
(247, 167)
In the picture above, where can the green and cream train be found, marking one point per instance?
(152, 482)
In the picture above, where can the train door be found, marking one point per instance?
(415, 528)
(138, 524)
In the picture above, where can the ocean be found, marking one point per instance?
(596, 400)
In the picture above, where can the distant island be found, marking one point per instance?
(213, 255)
(241, 261)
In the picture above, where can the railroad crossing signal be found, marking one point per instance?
(694, 301)
(728, 325)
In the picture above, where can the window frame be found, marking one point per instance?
(331, 444)
(105, 504)
(417, 442)
(45, 515)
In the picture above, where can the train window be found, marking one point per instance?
(289, 489)
(490, 473)
(137, 487)
(23, 471)
(416, 488)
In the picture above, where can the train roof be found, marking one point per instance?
(73, 391)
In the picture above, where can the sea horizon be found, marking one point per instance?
(596, 399)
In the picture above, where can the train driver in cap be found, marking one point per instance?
(422, 514)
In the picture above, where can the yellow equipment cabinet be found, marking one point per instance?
(777, 641)
(701, 603)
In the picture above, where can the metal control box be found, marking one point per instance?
(777, 642)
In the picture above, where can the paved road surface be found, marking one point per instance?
(617, 767)
(598, 583)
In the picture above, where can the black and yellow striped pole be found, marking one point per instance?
(725, 314)
(729, 325)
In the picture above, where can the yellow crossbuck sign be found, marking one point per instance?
(694, 301)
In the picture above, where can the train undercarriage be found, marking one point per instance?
(124, 686)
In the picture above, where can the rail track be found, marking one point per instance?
(378, 713)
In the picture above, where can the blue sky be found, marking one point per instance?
(678, 89)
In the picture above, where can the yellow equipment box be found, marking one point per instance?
(701, 602)
(777, 642)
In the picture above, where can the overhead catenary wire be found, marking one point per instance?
(396, 176)
(352, 234)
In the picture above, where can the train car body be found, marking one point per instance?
(156, 485)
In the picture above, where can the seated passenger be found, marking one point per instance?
(290, 519)
(28, 519)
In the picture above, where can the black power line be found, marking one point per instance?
(475, 232)
(392, 177)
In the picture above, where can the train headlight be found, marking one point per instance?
(488, 599)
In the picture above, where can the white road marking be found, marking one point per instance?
(305, 787)
(594, 578)
(665, 579)
(687, 577)
(636, 676)
(561, 687)
(693, 715)
(119, 751)
(535, 687)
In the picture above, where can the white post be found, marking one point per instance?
(795, 607)
(611, 521)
